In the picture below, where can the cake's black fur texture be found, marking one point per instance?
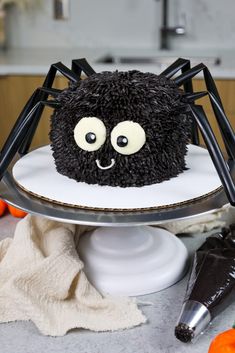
(156, 103)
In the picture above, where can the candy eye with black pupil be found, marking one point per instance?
(122, 141)
(128, 137)
(90, 134)
(90, 137)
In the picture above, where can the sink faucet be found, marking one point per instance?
(167, 31)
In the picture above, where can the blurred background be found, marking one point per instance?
(143, 34)
(123, 23)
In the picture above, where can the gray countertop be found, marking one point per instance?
(156, 336)
(36, 61)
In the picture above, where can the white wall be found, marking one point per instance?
(123, 23)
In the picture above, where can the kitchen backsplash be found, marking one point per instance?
(123, 23)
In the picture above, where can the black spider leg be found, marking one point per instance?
(20, 134)
(36, 96)
(176, 66)
(214, 150)
(81, 65)
(74, 75)
(42, 96)
(223, 122)
(191, 97)
(184, 66)
(228, 134)
(24, 112)
(225, 126)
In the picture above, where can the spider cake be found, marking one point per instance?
(121, 129)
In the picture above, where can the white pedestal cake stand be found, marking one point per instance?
(125, 256)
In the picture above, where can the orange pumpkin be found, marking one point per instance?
(15, 212)
(3, 207)
(224, 342)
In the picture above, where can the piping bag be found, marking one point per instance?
(211, 285)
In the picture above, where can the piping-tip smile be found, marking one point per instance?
(106, 167)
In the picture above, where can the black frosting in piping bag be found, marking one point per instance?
(212, 279)
(211, 285)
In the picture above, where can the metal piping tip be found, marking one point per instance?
(184, 333)
(193, 320)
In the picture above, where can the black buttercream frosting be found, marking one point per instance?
(152, 101)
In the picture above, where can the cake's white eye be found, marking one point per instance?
(128, 137)
(90, 134)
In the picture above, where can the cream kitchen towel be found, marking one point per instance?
(42, 279)
(201, 224)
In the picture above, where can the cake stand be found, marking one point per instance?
(124, 255)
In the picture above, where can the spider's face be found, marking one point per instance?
(126, 138)
(120, 129)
